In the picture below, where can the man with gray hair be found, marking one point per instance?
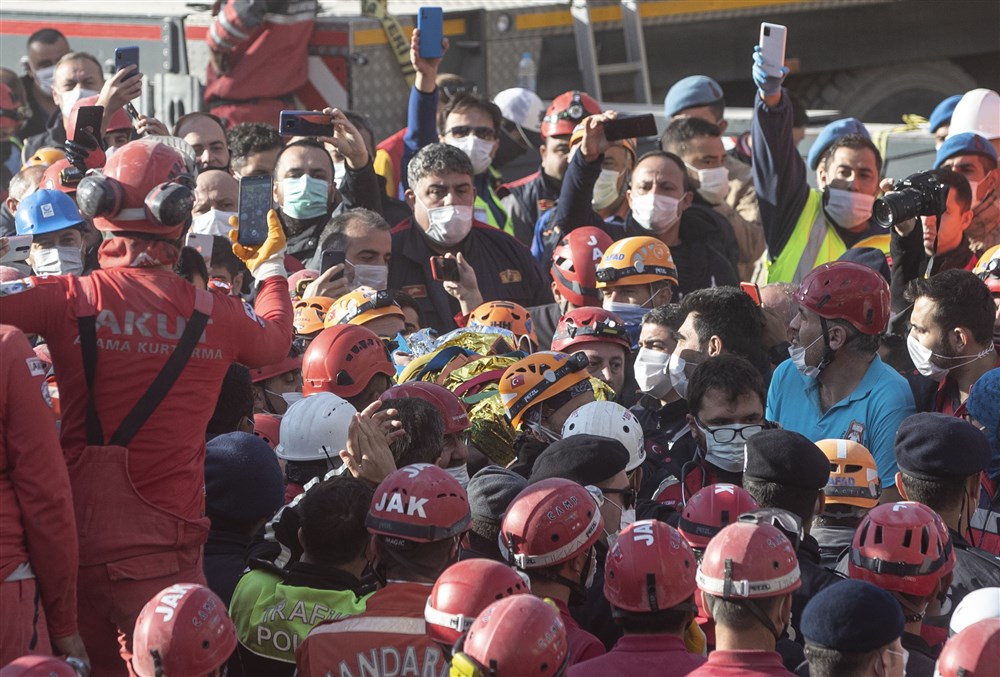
(491, 264)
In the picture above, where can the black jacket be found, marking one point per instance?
(974, 569)
(54, 136)
(225, 561)
(526, 199)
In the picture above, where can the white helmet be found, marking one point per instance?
(521, 106)
(978, 111)
(607, 419)
(978, 605)
(315, 429)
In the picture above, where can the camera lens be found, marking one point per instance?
(898, 207)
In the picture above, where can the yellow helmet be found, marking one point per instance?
(988, 268)
(636, 260)
(854, 476)
(540, 377)
(362, 305)
(45, 157)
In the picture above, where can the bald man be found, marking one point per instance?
(216, 198)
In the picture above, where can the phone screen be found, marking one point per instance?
(255, 202)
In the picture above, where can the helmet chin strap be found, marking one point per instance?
(828, 353)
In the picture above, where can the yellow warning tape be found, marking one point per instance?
(398, 42)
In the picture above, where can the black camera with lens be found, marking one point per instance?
(920, 194)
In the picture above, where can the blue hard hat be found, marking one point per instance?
(46, 211)
(965, 143)
(693, 91)
(837, 129)
(942, 112)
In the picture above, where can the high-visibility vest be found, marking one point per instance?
(814, 241)
(482, 212)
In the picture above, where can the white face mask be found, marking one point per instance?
(714, 183)
(655, 212)
(57, 261)
(974, 187)
(43, 78)
(69, 98)
(460, 473)
(678, 375)
(479, 151)
(339, 172)
(921, 356)
(848, 209)
(212, 222)
(448, 225)
(606, 189)
(376, 277)
(798, 355)
(651, 374)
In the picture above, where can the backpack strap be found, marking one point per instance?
(86, 322)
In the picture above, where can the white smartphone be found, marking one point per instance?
(20, 247)
(202, 242)
(772, 47)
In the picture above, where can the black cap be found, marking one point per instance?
(585, 459)
(852, 616)
(868, 256)
(932, 446)
(786, 458)
(491, 491)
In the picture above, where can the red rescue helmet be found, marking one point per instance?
(343, 359)
(146, 187)
(268, 428)
(712, 508)
(495, 645)
(749, 561)
(462, 591)
(286, 364)
(456, 419)
(52, 178)
(420, 503)
(566, 110)
(38, 666)
(183, 630)
(574, 265)
(844, 290)
(902, 547)
(299, 280)
(972, 652)
(589, 325)
(550, 522)
(649, 568)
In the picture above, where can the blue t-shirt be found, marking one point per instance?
(870, 415)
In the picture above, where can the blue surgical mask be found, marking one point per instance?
(305, 197)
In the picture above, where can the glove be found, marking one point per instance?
(694, 639)
(267, 259)
(84, 151)
(769, 85)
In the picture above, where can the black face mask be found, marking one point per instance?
(295, 226)
(513, 145)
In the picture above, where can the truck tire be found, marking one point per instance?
(883, 93)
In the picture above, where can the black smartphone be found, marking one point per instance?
(304, 123)
(430, 21)
(630, 127)
(255, 202)
(127, 56)
(331, 258)
(88, 119)
(445, 270)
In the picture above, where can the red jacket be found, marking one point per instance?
(634, 655)
(36, 514)
(582, 645)
(142, 312)
(743, 664)
(389, 638)
(266, 54)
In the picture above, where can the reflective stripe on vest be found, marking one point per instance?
(482, 212)
(813, 242)
(397, 625)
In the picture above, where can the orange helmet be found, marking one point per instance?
(309, 314)
(540, 377)
(362, 305)
(45, 156)
(854, 476)
(566, 111)
(636, 260)
(988, 268)
(505, 315)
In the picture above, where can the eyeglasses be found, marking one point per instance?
(726, 434)
(598, 494)
(484, 133)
